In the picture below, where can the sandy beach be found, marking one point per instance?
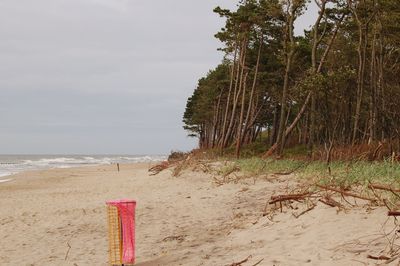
(185, 220)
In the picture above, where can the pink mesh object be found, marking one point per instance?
(126, 210)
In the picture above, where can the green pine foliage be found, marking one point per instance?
(339, 83)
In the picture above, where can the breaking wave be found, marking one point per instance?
(11, 164)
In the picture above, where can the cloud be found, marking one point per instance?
(102, 76)
(117, 5)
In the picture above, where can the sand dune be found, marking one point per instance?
(186, 220)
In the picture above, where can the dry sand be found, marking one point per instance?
(185, 220)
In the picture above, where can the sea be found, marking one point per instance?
(12, 164)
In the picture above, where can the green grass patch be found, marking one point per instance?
(341, 173)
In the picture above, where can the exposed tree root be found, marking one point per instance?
(346, 193)
(155, 170)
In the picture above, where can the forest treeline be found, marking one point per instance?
(339, 83)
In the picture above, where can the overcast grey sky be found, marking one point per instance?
(102, 76)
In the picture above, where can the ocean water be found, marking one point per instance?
(12, 164)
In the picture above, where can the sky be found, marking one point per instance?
(103, 76)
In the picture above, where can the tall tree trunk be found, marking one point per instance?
(289, 54)
(251, 106)
(315, 43)
(273, 148)
(360, 79)
(362, 24)
(241, 117)
(237, 92)
(232, 77)
(372, 104)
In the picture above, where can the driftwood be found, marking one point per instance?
(346, 193)
(280, 198)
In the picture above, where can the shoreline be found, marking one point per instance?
(50, 168)
(13, 164)
(188, 220)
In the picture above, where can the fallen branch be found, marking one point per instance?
(280, 198)
(331, 202)
(393, 213)
(377, 195)
(383, 187)
(258, 262)
(345, 193)
(305, 211)
(378, 258)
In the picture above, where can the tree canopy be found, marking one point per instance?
(340, 82)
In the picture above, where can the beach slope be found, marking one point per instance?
(58, 217)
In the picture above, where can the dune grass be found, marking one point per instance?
(339, 173)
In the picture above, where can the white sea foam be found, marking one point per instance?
(5, 180)
(11, 164)
(5, 174)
